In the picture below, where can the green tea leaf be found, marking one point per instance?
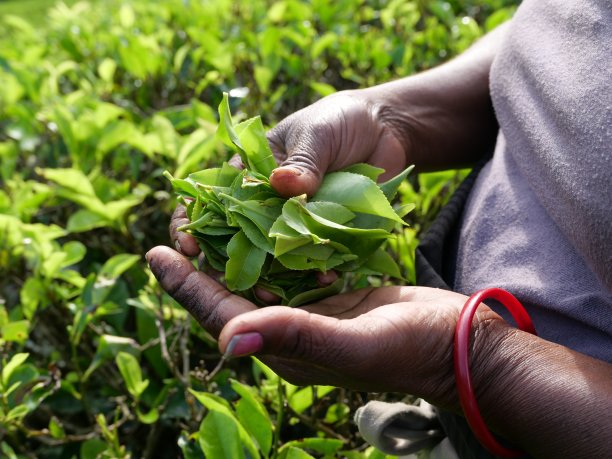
(16, 331)
(107, 69)
(253, 416)
(226, 131)
(181, 186)
(326, 446)
(117, 265)
(110, 346)
(31, 295)
(337, 413)
(383, 263)
(55, 428)
(357, 193)
(286, 237)
(316, 294)
(296, 453)
(330, 211)
(262, 213)
(390, 187)
(85, 220)
(256, 147)
(218, 176)
(148, 418)
(220, 434)
(248, 137)
(254, 233)
(321, 230)
(371, 172)
(132, 374)
(92, 449)
(18, 412)
(11, 366)
(244, 264)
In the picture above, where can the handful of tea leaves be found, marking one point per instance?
(256, 237)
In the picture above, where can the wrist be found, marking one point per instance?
(488, 333)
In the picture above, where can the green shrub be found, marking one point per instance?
(96, 101)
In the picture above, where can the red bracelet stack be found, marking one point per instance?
(462, 370)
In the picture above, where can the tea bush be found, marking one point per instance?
(96, 101)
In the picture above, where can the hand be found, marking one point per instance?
(337, 131)
(384, 339)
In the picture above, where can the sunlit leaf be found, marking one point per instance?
(12, 365)
(357, 193)
(220, 434)
(108, 348)
(15, 331)
(253, 416)
(132, 374)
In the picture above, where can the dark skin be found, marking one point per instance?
(543, 397)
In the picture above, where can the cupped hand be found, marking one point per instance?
(374, 339)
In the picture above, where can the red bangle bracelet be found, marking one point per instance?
(462, 370)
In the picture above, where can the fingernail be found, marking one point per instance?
(290, 170)
(177, 245)
(244, 344)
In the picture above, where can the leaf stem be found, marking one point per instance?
(279, 418)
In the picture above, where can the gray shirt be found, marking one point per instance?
(538, 222)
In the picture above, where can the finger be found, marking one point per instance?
(296, 334)
(276, 139)
(236, 161)
(359, 308)
(205, 299)
(371, 352)
(183, 242)
(326, 278)
(304, 159)
(266, 296)
(289, 181)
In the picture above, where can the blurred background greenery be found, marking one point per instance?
(34, 10)
(97, 99)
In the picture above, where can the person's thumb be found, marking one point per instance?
(293, 180)
(303, 161)
(205, 299)
(296, 334)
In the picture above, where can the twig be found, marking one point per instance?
(164, 351)
(184, 346)
(279, 418)
(317, 425)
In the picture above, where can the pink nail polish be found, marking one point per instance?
(244, 344)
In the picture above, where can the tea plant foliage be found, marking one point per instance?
(256, 238)
(97, 100)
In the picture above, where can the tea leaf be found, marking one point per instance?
(381, 262)
(256, 147)
(220, 434)
(316, 294)
(11, 366)
(253, 416)
(357, 193)
(132, 375)
(368, 170)
(389, 188)
(244, 264)
(226, 131)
